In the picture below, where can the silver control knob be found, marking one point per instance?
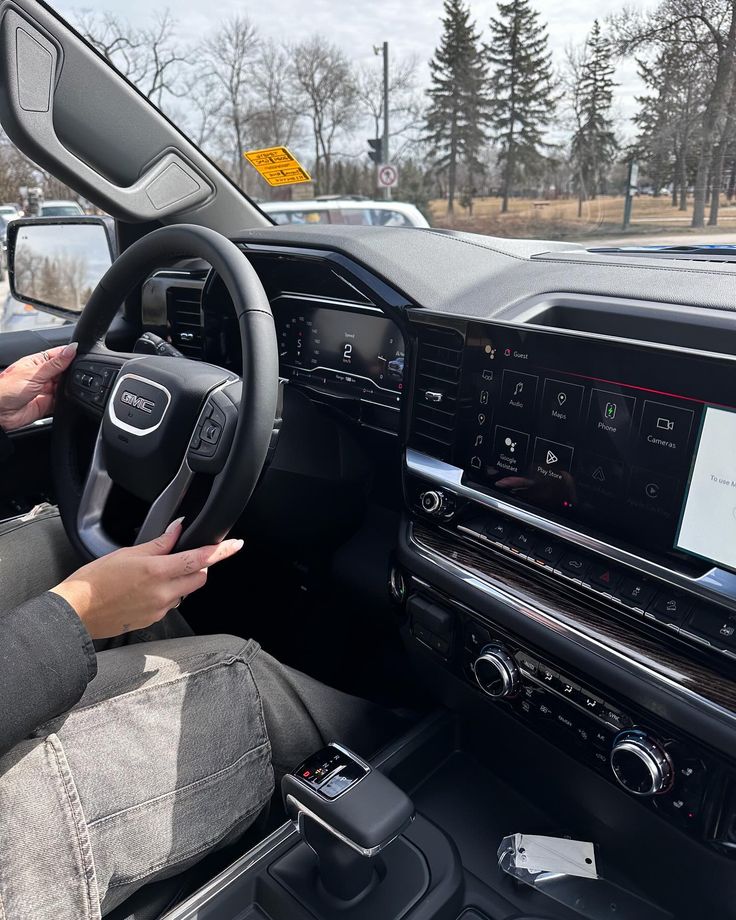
(641, 764)
(496, 672)
(432, 502)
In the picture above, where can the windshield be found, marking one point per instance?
(612, 124)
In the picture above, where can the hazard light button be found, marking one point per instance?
(603, 577)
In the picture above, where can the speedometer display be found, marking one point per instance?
(354, 351)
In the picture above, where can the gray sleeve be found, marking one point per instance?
(46, 661)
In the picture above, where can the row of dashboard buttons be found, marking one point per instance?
(569, 713)
(675, 610)
(546, 678)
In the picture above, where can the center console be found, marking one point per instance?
(570, 551)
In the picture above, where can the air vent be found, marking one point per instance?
(185, 320)
(436, 391)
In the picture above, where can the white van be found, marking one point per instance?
(361, 211)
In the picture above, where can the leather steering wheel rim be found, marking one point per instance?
(253, 431)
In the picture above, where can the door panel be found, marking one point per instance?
(14, 345)
(25, 478)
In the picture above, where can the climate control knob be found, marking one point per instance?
(496, 672)
(432, 502)
(641, 764)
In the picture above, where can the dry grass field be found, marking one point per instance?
(601, 218)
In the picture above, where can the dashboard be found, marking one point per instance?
(338, 333)
(567, 551)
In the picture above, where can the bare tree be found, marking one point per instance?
(151, 57)
(276, 118)
(405, 108)
(327, 84)
(202, 117)
(228, 56)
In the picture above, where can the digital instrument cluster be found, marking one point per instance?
(347, 352)
(633, 441)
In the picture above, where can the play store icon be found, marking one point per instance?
(551, 458)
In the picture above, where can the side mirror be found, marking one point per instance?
(55, 263)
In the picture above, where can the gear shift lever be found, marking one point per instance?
(347, 813)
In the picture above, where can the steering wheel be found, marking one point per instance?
(164, 419)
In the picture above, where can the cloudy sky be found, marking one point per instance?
(411, 26)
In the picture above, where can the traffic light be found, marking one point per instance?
(376, 151)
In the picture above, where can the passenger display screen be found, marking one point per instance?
(351, 351)
(604, 434)
(708, 523)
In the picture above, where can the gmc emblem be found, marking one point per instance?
(138, 402)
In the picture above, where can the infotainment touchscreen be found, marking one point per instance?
(636, 443)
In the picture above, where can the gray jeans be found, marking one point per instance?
(169, 754)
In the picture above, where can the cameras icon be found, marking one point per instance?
(665, 424)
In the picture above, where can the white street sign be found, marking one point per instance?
(388, 175)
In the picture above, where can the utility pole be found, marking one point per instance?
(631, 190)
(387, 192)
(377, 49)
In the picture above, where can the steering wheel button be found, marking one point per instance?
(211, 432)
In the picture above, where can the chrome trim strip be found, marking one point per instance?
(715, 585)
(26, 429)
(526, 609)
(333, 370)
(207, 893)
(139, 432)
(303, 812)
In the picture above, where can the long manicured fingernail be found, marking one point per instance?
(238, 545)
(71, 349)
(174, 525)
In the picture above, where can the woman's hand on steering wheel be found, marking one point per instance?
(28, 387)
(137, 586)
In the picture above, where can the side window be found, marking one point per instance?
(280, 217)
(309, 217)
(354, 216)
(390, 219)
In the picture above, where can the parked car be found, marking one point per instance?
(346, 211)
(9, 211)
(61, 209)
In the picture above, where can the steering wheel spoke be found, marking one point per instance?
(97, 488)
(164, 510)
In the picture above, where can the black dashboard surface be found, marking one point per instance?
(463, 274)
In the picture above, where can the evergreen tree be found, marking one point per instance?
(456, 121)
(594, 142)
(668, 117)
(522, 90)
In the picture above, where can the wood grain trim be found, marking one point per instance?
(563, 606)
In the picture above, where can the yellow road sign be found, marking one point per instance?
(277, 166)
